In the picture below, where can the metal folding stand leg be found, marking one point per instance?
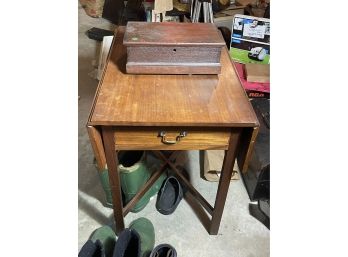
(207, 11)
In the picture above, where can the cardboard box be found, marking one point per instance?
(255, 72)
(250, 39)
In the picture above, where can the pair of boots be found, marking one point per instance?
(134, 173)
(133, 242)
(136, 241)
(100, 244)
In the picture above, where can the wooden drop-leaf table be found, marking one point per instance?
(170, 112)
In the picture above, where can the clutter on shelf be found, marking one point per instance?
(224, 18)
(258, 8)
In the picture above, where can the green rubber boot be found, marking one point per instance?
(132, 180)
(104, 180)
(134, 173)
(156, 186)
(146, 233)
(107, 237)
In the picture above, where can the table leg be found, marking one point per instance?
(112, 162)
(224, 182)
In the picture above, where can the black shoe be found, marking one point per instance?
(163, 250)
(128, 244)
(169, 196)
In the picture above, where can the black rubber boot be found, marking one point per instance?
(128, 244)
(92, 249)
(101, 243)
(163, 250)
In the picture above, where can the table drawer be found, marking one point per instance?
(168, 138)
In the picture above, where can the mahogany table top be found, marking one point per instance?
(169, 100)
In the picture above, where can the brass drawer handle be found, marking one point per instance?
(171, 142)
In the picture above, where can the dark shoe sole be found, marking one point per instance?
(169, 196)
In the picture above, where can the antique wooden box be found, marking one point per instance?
(173, 48)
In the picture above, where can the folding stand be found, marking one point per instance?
(207, 11)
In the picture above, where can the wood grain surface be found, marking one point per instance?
(172, 68)
(146, 138)
(97, 145)
(173, 60)
(247, 143)
(169, 100)
(176, 54)
(172, 33)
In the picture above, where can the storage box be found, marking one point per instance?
(250, 40)
(253, 89)
(173, 48)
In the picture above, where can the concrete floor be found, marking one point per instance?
(240, 234)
